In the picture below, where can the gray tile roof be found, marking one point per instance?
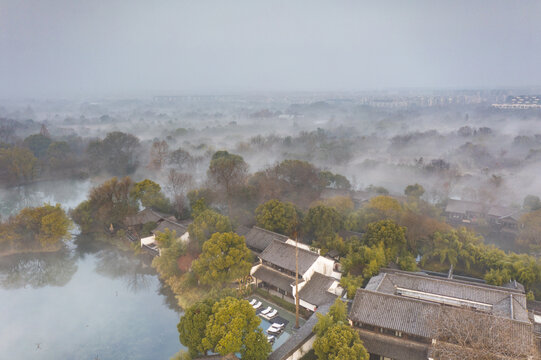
(416, 317)
(389, 280)
(242, 230)
(274, 277)
(393, 312)
(315, 291)
(463, 206)
(501, 211)
(171, 225)
(283, 256)
(258, 238)
(393, 347)
(144, 216)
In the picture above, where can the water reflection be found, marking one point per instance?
(88, 300)
(37, 269)
(69, 193)
(119, 265)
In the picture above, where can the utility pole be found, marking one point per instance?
(296, 282)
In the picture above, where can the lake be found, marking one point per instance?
(68, 193)
(87, 301)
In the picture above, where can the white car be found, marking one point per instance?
(266, 310)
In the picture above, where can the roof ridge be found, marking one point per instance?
(516, 301)
(300, 248)
(270, 232)
(462, 282)
(382, 279)
(398, 297)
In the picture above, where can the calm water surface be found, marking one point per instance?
(88, 301)
(69, 193)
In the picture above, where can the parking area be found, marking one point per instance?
(282, 316)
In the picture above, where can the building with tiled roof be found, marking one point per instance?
(398, 313)
(257, 239)
(144, 216)
(318, 279)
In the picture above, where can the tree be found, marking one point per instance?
(388, 233)
(233, 327)
(531, 203)
(340, 342)
(193, 324)
(150, 195)
(38, 144)
(227, 171)
(364, 260)
(18, 164)
(55, 226)
(200, 200)
(343, 204)
(415, 191)
(107, 204)
(117, 153)
(322, 223)
(225, 258)
(292, 180)
(277, 216)
(171, 248)
(455, 247)
(59, 155)
(386, 207)
(335, 339)
(181, 159)
(335, 181)
(207, 223)
(530, 230)
(178, 185)
(45, 224)
(158, 154)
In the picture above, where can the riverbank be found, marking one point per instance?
(186, 292)
(32, 250)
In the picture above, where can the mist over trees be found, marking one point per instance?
(336, 173)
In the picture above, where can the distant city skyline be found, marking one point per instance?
(61, 48)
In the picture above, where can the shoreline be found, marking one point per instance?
(29, 251)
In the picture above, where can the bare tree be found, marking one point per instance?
(178, 184)
(181, 159)
(158, 154)
(472, 335)
(227, 171)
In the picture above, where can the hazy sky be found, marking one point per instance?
(52, 48)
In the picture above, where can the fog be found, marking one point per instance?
(465, 150)
(386, 93)
(74, 49)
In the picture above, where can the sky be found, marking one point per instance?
(63, 48)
